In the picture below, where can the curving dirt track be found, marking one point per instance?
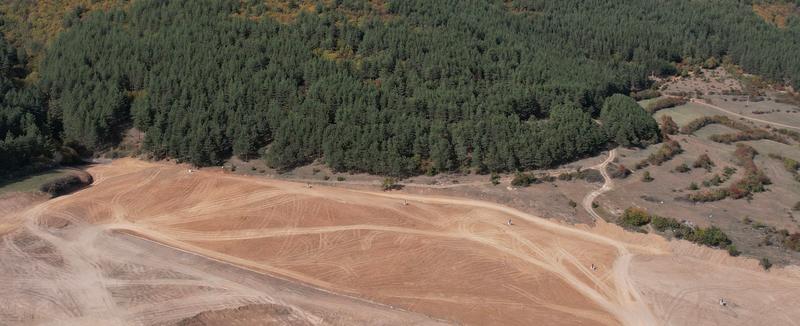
(738, 115)
(154, 244)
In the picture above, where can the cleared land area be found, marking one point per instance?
(156, 244)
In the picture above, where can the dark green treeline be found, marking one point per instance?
(429, 86)
(23, 116)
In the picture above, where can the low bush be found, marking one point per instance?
(728, 171)
(708, 195)
(733, 251)
(792, 241)
(590, 175)
(703, 121)
(754, 134)
(765, 263)
(789, 133)
(712, 237)
(703, 161)
(618, 171)
(715, 181)
(65, 184)
(390, 184)
(524, 180)
(753, 181)
(634, 217)
(682, 168)
(668, 126)
(495, 179)
(663, 224)
(666, 152)
(646, 177)
(665, 103)
(645, 94)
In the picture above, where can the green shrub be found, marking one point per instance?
(340, 178)
(693, 186)
(495, 179)
(618, 171)
(573, 204)
(703, 161)
(765, 263)
(728, 171)
(663, 224)
(733, 251)
(645, 94)
(668, 126)
(634, 217)
(646, 177)
(711, 236)
(524, 180)
(791, 165)
(708, 195)
(390, 184)
(701, 122)
(683, 168)
(666, 152)
(65, 184)
(590, 175)
(792, 241)
(665, 103)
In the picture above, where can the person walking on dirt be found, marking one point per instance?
(594, 268)
(509, 223)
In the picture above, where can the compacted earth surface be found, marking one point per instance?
(160, 244)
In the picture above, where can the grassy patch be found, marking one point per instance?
(713, 129)
(684, 114)
(32, 182)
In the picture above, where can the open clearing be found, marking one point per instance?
(32, 182)
(155, 244)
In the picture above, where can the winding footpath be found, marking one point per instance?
(608, 184)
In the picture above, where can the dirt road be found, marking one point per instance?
(608, 184)
(744, 116)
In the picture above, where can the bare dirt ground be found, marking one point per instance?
(155, 244)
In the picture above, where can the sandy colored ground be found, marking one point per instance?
(155, 244)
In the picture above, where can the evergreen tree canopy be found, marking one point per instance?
(22, 117)
(408, 87)
(626, 123)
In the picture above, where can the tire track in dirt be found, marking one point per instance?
(738, 115)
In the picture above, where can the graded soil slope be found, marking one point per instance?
(159, 244)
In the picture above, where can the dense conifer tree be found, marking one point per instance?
(415, 86)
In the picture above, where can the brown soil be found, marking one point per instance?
(157, 244)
